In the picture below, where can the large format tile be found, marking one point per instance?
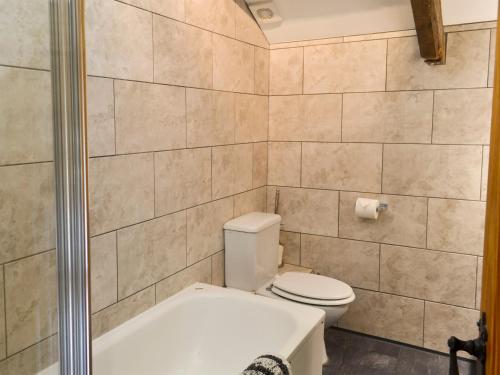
(456, 226)
(198, 272)
(149, 117)
(403, 223)
(205, 228)
(462, 116)
(231, 170)
(182, 179)
(118, 40)
(429, 275)
(250, 201)
(291, 244)
(114, 315)
(261, 71)
(342, 166)
(435, 171)
(345, 67)
(150, 251)
(284, 159)
(252, 116)
(385, 315)
(443, 321)
(247, 29)
(213, 15)
(354, 262)
(169, 8)
(27, 210)
(233, 65)
(103, 271)
(307, 210)
(305, 118)
(25, 30)
(387, 117)
(210, 117)
(100, 116)
(466, 63)
(25, 116)
(121, 191)
(259, 164)
(286, 67)
(31, 305)
(182, 54)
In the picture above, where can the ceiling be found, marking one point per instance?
(316, 19)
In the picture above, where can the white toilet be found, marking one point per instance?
(252, 265)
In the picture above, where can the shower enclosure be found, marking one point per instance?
(43, 213)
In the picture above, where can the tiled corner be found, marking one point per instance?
(259, 164)
(286, 71)
(231, 170)
(291, 245)
(250, 201)
(100, 116)
(218, 263)
(247, 29)
(103, 272)
(213, 15)
(252, 116)
(338, 258)
(261, 71)
(284, 159)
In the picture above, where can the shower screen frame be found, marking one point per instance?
(70, 148)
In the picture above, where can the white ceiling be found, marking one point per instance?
(316, 19)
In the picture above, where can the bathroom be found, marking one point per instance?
(135, 134)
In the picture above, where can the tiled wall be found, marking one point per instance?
(177, 128)
(364, 116)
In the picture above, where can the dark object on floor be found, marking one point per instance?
(356, 354)
(268, 365)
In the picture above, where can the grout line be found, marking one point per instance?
(481, 187)
(379, 266)
(5, 336)
(46, 70)
(341, 117)
(382, 169)
(386, 63)
(117, 267)
(427, 224)
(432, 114)
(114, 117)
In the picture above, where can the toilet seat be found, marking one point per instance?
(312, 289)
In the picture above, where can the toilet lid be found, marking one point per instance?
(311, 301)
(313, 286)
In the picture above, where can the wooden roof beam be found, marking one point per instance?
(430, 32)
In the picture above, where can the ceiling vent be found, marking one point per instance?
(265, 12)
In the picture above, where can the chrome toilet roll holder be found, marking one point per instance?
(382, 207)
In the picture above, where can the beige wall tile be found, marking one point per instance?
(31, 314)
(250, 201)
(462, 116)
(345, 67)
(210, 117)
(170, 8)
(443, 321)
(386, 35)
(231, 170)
(393, 317)
(218, 269)
(404, 223)
(25, 30)
(198, 272)
(466, 63)
(114, 315)
(470, 26)
(491, 68)
(353, 262)
(261, 71)
(213, 15)
(233, 65)
(205, 228)
(259, 164)
(121, 191)
(32, 360)
(182, 179)
(252, 117)
(479, 281)
(150, 251)
(284, 160)
(27, 210)
(307, 210)
(100, 116)
(342, 166)
(182, 54)
(118, 41)
(247, 29)
(286, 68)
(3, 336)
(25, 116)
(484, 174)
(305, 118)
(304, 43)
(456, 226)
(435, 171)
(149, 117)
(291, 244)
(103, 271)
(429, 275)
(387, 117)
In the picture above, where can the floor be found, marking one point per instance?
(355, 354)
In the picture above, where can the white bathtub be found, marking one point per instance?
(208, 330)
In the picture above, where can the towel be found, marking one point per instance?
(268, 365)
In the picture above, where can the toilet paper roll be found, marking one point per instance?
(367, 208)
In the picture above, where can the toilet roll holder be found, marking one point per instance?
(382, 207)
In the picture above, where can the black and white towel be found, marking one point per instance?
(268, 365)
